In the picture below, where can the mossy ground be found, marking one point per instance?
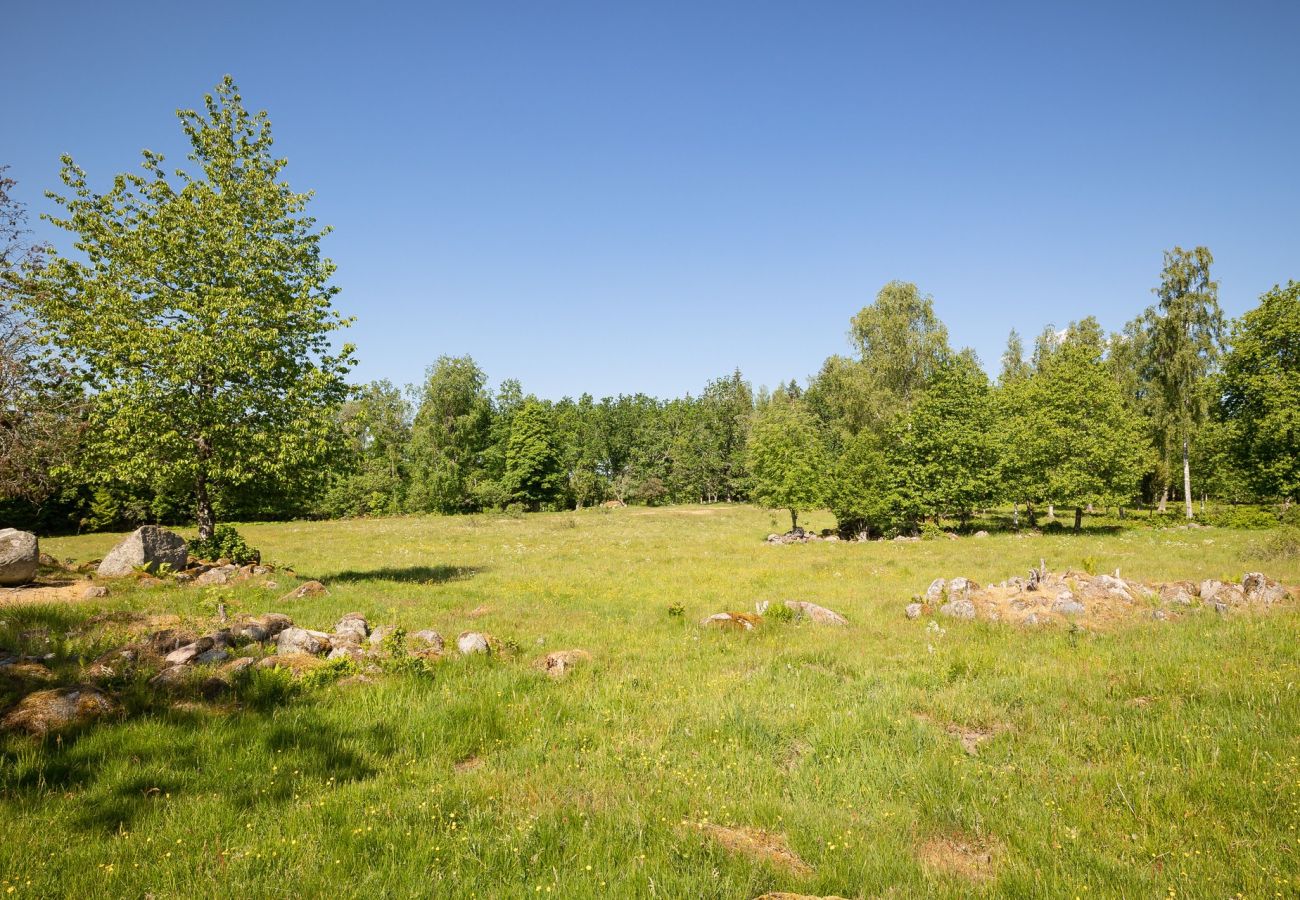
(1147, 759)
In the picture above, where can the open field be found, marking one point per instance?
(1149, 758)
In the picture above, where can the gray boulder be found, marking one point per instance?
(300, 640)
(1066, 604)
(147, 547)
(427, 638)
(934, 593)
(471, 642)
(353, 627)
(381, 634)
(913, 610)
(1258, 588)
(958, 609)
(19, 555)
(217, 575)
(818, 615)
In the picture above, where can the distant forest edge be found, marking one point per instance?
(179, 369)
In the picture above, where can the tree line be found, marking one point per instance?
(178, 366)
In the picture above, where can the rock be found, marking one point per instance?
(1179, 592)
(348, 650)
(353, 625)
(94, 592)
(1159, 615)
(58, 709)
(737, 620)
(980, 534)
(170, 677)
(307, 589)
(25, 671)
(49, 562)
(958, 609)
(471, 642)
(112, 664)
(19, 556)
(236, 666)
(168, 639)
(220, 575)
(148, 547)
(613, 504)
(301, 640)
(818, 615)
(561, 662)
(914, 610)
(183, 656)
(215, 655)
(1031, 619)
(426, 637)
(960, 588)
(1108, 587)
(1209, 589)
(381, 633)
(950, 535)
(1260, 589)
(934, 593)
(213, 687)
(1066, 604)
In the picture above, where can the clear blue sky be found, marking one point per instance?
(614, 197)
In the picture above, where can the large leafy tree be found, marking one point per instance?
(376, 424)
(1261, 393)
(534, 473)
(787, 457)
(450, 433)
(1187, 328)
(198, 307)
(1070, 436)
(945, 454)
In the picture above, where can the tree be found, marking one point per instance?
(1014, 366)
(533, 474)
(945, 453)
(1261, 393)
(40, 409)
(199, 311)
(1186, 334)
(787, 457)
(1069, 435)
(376, 426)
(449, 435)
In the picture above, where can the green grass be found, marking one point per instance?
(1137, 761)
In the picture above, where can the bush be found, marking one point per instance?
(1284, 544)
(1242, 517)
(225, 543)
(778, 613)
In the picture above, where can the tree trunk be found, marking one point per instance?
(1031, 515)
(207, 520)
(1187, 479)
(794, 519)
(1051, 511)
(1078, 518)
(1015, 513)
(1164, 499)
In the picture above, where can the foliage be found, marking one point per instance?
(449, 435)
(225, 543)
(1070, 438)
(532, 474)
(373, 475)
(199, 312)
(787, 458)
(1261, 394)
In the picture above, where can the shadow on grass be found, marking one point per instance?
(411, 574)
(163, 742)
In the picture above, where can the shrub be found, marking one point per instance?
(515, 510)
(1283, 544)
(677, 609)
(225, 543)
(778, 613)
(1242, 517)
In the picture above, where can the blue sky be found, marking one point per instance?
(620, 197)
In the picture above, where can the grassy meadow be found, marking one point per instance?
(1146, 759)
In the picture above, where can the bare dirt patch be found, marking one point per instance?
(43, 592)
(757, 844)
(468, 764)
(969, 736)
(965, 856)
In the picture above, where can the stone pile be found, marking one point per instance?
(1071, 596)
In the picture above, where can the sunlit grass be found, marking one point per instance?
(1134, 761)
